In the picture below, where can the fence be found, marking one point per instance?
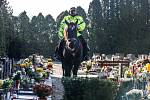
(115, 63)
(5, 67)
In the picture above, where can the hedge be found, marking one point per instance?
(80, 88)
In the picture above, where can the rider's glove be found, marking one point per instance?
(66, 27)
(78, 27)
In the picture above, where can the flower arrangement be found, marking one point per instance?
(7, 85)
(17, 76)
(25, 83)
(49, 60)
(134, 94)
(45, 74)
(42, 90)
(86, 66)
(39, 70)
(128, 74)
(49, 65)
(89, 65)
(17, 79)
(37, 77)
(1, 83)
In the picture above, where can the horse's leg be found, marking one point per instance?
(75, 68)
(63, 69)
(63, 72)
(68, 68)
(68, 71)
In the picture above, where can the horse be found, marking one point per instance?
(72, 52)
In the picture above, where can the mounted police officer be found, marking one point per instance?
(72, 17)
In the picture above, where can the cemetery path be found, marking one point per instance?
(57, 70)
(56, 82)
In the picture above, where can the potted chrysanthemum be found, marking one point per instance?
(88, 67)
(17, 79)
(42, 90)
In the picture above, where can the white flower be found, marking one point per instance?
(135, 93)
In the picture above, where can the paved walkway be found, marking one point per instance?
(57, 67)
(56, 82)
(57, 70)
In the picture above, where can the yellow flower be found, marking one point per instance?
(49, 60)
(148, 87)
(89, 65)
(128, 73)
(50, 63)
(93, 62)
(1, 83)
(28, 64)
(39, 70)
(23, 65)
(147, 67)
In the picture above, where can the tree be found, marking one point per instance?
(38, 28)
(96, 29)
(6, 27)
(110, 14)
(51, 35)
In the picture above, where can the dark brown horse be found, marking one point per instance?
(72, 52)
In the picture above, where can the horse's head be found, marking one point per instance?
(72, 29)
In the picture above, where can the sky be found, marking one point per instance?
(52, 7)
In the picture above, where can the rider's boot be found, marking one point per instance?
(85, 48)
(86, 53)
(58, 51)
(56, 54)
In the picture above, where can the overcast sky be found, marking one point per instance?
(53, 7)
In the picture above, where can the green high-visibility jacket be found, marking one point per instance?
(81, 24)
